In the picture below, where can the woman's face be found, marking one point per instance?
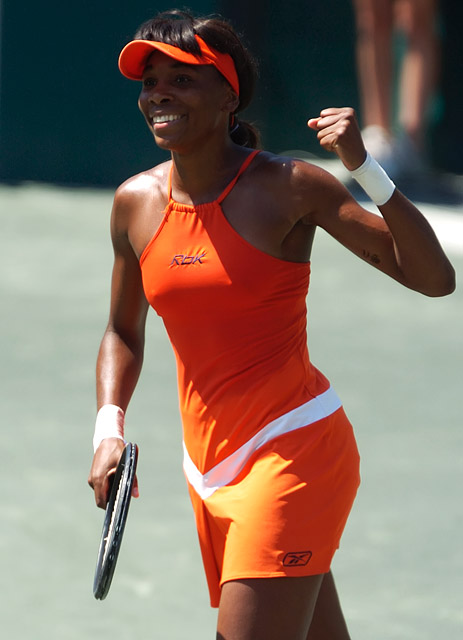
(183, 103)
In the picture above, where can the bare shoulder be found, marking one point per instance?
(138, 207)
(300, 172)
(146, 186)
(301, 187)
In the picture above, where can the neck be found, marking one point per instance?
(200, 176)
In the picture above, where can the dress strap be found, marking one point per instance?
(228, 188)
(169, 182)
(243, 168)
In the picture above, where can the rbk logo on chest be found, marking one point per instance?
(181, 259)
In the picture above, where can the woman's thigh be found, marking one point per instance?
(328, 621)
(267, 608)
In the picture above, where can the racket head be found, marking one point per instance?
(116, 513)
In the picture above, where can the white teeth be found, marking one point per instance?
(159, 119)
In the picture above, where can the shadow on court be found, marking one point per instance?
(393, 356)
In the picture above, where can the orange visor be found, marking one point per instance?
(134, 55)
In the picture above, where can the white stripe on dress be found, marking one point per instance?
(225, 471)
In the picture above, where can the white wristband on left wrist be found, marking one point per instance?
(109, 424)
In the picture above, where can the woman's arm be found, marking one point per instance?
(120, 356)
(401, 243)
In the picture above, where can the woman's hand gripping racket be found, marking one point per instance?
(117, 510)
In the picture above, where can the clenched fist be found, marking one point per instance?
(338, 131)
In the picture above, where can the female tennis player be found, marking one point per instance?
(217, 240)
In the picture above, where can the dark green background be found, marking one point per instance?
(68, 116)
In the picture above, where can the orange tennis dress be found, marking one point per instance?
(269, 455)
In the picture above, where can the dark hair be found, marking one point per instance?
(178, 28)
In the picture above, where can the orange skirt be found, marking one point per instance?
(285, 512)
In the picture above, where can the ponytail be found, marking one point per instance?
(245, 134)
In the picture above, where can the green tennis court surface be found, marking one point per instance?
(394, 357)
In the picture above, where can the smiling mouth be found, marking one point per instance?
(164, 119)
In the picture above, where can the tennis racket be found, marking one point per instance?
(117, 510)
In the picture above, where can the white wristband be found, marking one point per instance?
(109, 424)
(374, 181)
